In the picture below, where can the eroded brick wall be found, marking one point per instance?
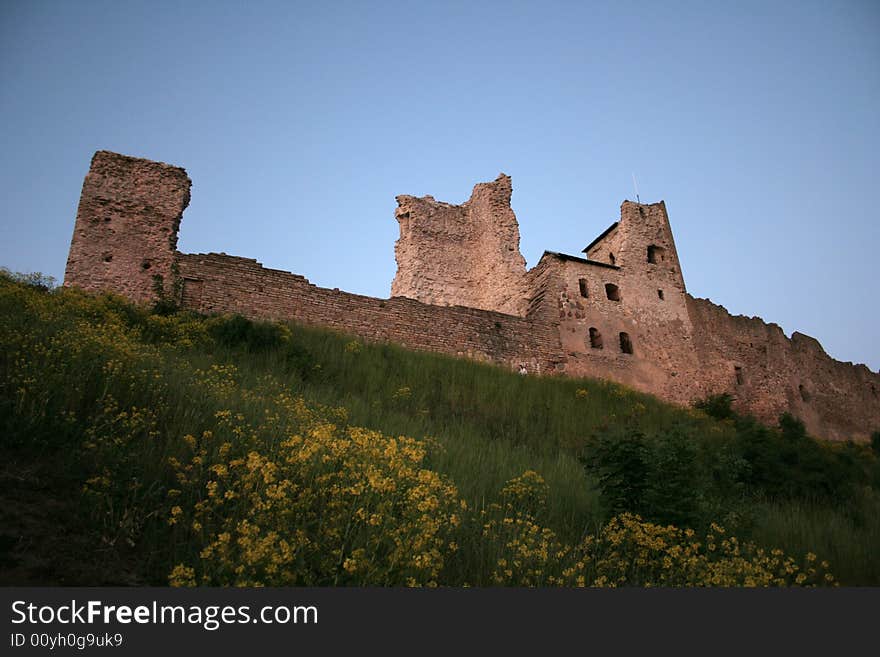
(768, 374)
(126, 225)
(221, 283)
(464, 255)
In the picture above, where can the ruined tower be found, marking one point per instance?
(461, 255)
(126, 225)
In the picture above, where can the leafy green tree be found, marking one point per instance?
(673, 491)
(618, 459)
(717, 406)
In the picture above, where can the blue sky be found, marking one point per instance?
(757, 123)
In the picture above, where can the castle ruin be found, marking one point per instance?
(621, 312)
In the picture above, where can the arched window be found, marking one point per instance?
(595, 338)
(626, 345)
(656, 254)
(612, 291)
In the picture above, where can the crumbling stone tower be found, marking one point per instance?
(461, 255)
(126, 225)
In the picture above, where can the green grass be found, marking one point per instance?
(110, 390)
(849, 537)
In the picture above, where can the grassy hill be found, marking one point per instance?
(148, 446)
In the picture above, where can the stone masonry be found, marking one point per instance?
(621, 313)
(126, 225)
(463, 255)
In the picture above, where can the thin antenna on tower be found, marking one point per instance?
(635, 184)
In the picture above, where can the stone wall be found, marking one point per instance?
(126, 225)
(220, 283)
(768, 374)
(461, 255)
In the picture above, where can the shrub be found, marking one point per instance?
(673, 493)
(717, 406)
(619, 460)
(235, 331)
(631, 552)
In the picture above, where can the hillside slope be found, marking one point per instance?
(151, 446)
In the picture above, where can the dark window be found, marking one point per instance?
(626, 345)
(146, 264)
(656, 254)
(805, 394)
(595, 338)
(582, 282)
(611, 257)
(660, 295)
(739, 375)
(612, 291)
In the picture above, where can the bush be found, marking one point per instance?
(631, 552)
(717, 406)
(329, 505)
(619, 460)
(37, 280)
(673, 493)
(656, 477)
(235, 331)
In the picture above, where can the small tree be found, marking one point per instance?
(792, 428)
(619, 462)
(717, 406)
(673, 491)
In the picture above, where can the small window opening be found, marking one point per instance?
(739, 375)
(108, 257)
(611, 257)
(656, 254)
(626, 345)
(595, 338)
(805, 394)
(612, 291)
(660, 295)
(145, 265)
(582, 283)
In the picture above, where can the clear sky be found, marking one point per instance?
(757, 123)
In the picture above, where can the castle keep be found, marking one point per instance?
(620, 312)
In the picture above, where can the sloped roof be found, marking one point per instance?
(565, 256)
(601, 237)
